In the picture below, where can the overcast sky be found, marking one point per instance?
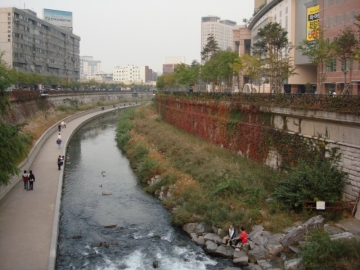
(139, 32)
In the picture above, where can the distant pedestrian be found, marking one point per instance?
(58, 142)
(59, 136)
(59, 160)
(63, 124)
(62, 160)
(25, 177)
(31, 180)
(59, 126)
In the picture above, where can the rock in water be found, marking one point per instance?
(155, 264)
(77, 236)
(106, 192)
(110, 225)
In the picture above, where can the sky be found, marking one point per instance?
(140, 32)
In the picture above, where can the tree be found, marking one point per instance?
(346, 47)
(274, 49)
(13, 143)
(210, 48)
(320, 52)
(248, 66)
(188, 74)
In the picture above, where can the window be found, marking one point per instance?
(335, 2)
(343, 18)
(348, 64)
(280, 14)
(335, 20)
(352, 16)
(286, 10)
(331, 65)
(335, 39)
(327, 22)
(327, 40)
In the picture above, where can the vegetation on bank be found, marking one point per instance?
(209, 183)
(321, 253)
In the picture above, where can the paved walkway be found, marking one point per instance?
(28, 234)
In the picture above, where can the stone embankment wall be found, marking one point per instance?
(274, 136)
(23, 107)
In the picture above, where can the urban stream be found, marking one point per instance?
(143, 237)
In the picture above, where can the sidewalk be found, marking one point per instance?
(28, 233)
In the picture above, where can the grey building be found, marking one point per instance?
(32, 45)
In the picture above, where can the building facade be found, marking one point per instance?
(89, 66)
(32, 45)
(297, 18)
(291, 15)
(335, 15)
(171, 62)
(222, 30)
(132, 74)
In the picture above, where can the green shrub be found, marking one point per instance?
(124, 126)
(320, 180)
(320, 253)
(181, 216)
(146, 169)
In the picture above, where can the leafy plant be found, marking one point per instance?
(321, 253)
(320, 179)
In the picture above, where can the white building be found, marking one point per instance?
(222, 30)
(89, 66)
(132, 74)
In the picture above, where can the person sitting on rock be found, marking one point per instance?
(230, 236)
(242, 239)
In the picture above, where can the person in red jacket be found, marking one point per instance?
(25, 177)
(242, 239)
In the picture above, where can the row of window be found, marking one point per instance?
(336, 19)
(328, 3)
(344, 65)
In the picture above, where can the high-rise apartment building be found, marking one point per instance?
(32, 45)
(132, 74)
(222, 30)
(89, 66)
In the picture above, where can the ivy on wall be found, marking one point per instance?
(244, 129)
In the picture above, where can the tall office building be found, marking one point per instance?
(222, 30)
(89, 66)
(32, 45)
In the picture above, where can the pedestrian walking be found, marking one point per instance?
(58, 142)
(59, 126)
(59, 160)
(59, 136)
(62, 124)
(25, 177)
(31, 180)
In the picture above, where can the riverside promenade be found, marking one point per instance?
(29, 219)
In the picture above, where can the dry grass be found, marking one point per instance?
(213, 183)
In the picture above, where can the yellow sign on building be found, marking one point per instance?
(312, 22)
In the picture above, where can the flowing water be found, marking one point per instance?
(143, 237)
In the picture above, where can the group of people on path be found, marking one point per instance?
(58, 140)
(29, 179)
(234, 240)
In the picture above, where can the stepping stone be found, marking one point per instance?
(106, 192)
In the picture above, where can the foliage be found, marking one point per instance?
(273, 47)
(217, 69)
(5, 81)
(318, 179)
(210, 49)
(166, 81)
(346, 47)
(248, 66)
(320, 52)
(188, 75)
(13, 146)
(321, 253)
(123, 128)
